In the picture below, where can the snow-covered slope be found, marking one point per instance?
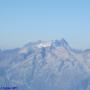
(45, 65)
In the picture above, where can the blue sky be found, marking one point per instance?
(22, 21)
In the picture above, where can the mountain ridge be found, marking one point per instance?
(45, 65)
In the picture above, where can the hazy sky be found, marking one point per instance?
(22, 21)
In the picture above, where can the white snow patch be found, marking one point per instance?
(44, 44)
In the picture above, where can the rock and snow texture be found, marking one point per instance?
(45, 65)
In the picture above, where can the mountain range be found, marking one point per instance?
(45, 65)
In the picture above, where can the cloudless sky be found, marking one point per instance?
(22, 21)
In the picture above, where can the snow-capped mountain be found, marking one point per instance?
(45, 65)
